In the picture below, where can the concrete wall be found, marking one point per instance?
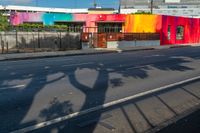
(7, 39)
(49, 40)
(129, 44)
(86, 45)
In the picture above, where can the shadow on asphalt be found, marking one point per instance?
(189, 124)
(57, 109)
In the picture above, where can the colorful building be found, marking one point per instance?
(172, 30)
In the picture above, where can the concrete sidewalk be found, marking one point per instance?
(23, 56)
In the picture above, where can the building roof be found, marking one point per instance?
(42, 9)
(101, 9)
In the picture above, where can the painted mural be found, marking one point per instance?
(20, 18)
(143, 23)
(173, 30)
(190, 30)
(50, 18)
(45, 18)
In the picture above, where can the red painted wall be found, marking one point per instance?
(191, 30)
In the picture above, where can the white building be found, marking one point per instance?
(187, 8)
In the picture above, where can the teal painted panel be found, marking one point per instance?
(50, 18)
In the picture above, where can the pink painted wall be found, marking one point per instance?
(191, 30)
(19, 18)
(91, 20)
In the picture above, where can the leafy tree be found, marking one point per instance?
(41, 27)
(142, 12)
(4, 24)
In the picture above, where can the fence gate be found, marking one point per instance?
(101, 40)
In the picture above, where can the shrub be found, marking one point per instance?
(4, 24)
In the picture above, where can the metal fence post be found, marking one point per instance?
(33, 34)
(6, 47)
(5, 41)
(38, 39)
(135, 41)
(106, 40)
(60, 41)
(2, 45)
(1, 41)
(80, 39)
(16, 38)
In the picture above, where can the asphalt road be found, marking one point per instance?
(34, 91)
(189, 124)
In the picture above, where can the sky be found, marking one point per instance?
(62, 3)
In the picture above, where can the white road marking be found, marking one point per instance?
(106, 105)
(57, 60)
(156, 55)
(137, 67)
(46, 67)
(12, 87)
(80, 64)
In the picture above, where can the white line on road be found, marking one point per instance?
(106, 105)
(12, 87)
(80, 64)
(157, 55)
(138, 67)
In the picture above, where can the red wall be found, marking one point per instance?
(191, 30)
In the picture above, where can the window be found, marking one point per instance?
(179, 33)
(109, 27)
(169, 32)
(70, 26)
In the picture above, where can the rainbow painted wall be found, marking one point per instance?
(50, 18)
(131, 23)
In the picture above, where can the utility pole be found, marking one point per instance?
(95, 4)
(120, 2)
(151, 6)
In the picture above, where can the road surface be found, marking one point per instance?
(39, 90)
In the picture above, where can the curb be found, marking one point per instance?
(51, 56)
(181, 46)
(89, 53)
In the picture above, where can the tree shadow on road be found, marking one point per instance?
(94, 95)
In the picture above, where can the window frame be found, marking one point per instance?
(179, 35)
